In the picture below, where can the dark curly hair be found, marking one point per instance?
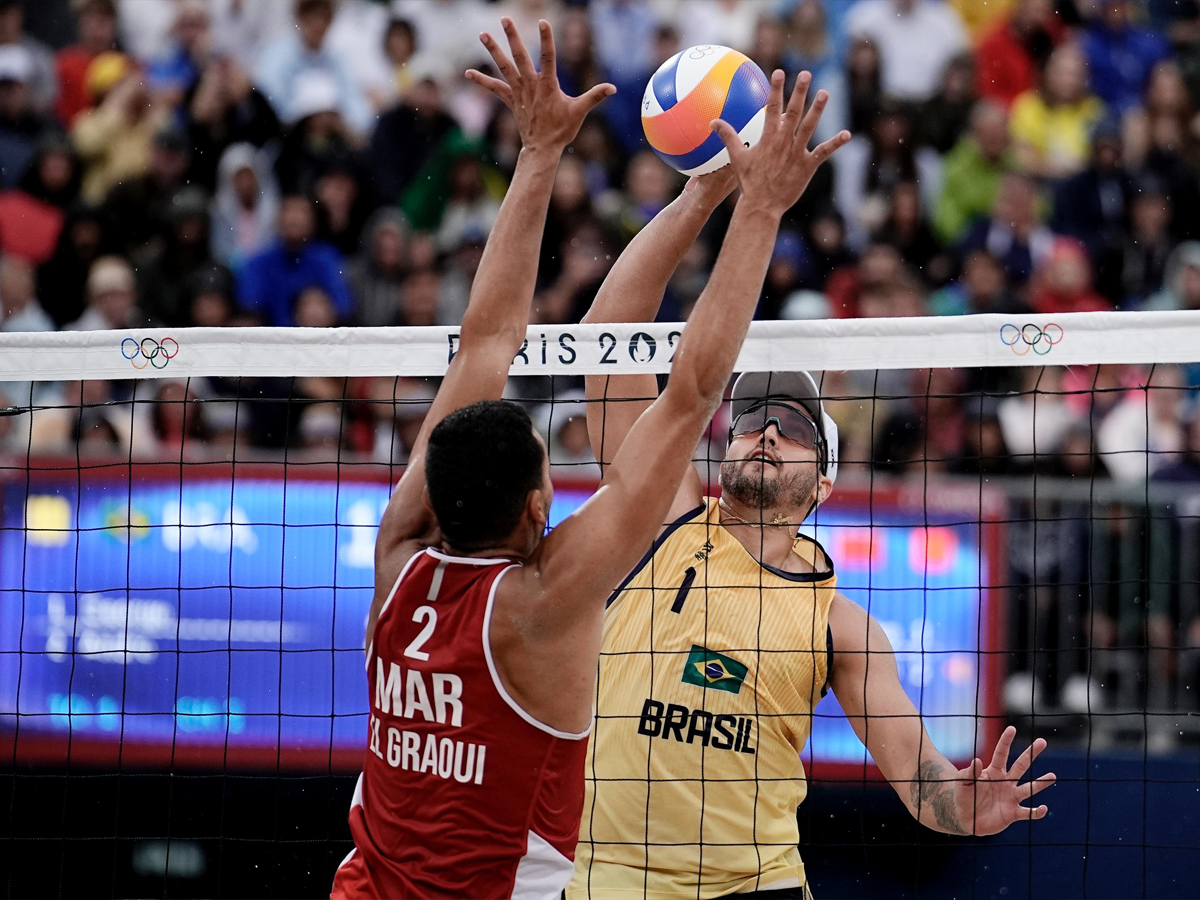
(482, 462)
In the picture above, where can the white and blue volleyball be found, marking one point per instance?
(691, 89)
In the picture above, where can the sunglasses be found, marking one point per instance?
(790, 422)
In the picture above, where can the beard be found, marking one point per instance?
(793, 488)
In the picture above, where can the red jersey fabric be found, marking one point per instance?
(463, 793)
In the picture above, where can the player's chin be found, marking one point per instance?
(759, 467)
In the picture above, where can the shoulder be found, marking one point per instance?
(687, 541)
(816, 558)
(393, 561)
(858, 638)
(843, 611)
(850, 625)
(693, 512)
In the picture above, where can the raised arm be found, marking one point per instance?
(633, 292)
(498, 312)
(627, 511)
(975, 800)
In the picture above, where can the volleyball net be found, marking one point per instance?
(187, 524)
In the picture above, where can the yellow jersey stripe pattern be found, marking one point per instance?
(710, 669)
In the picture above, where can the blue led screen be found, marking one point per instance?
(194, 617)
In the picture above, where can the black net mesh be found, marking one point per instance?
(186, 565)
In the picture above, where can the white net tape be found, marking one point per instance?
(821, 345)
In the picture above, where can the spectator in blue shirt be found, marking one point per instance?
(623, 35)
(271, 281)
(178, 71)
(285, 60)
(1121, 56)
(629, 42)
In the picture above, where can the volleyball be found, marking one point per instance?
(691, 89)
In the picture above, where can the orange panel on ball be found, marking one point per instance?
(684, 126)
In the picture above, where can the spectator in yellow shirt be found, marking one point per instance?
(114, 138)
(1050, 126)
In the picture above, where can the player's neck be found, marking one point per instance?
(503, 552)
(768, 535)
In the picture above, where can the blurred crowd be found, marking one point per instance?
(322, 162)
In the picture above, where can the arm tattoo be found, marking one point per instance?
(929, 789)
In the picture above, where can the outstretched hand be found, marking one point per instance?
(989, 799)
(775, 171)
(546, 117)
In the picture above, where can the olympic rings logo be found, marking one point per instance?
(149, 352)
(702, 51)
(1041, 340)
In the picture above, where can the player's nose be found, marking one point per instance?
(770, 434)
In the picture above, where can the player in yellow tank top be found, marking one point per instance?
(718, 646)
(727, 695)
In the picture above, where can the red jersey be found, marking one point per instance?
(463, 793)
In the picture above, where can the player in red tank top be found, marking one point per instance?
(454, 765)
(484, 635)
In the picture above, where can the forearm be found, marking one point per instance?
(866, 682)
(634, 287)
(922, 777)
(930, 792)
(633, 292)
(497, 315)
(718, 324)
(502, 292)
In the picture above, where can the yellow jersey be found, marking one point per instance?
(710, 668)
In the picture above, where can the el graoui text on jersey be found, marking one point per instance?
(404, 694)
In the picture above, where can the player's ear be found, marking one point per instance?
(537, 508)
(425, 498)
(824, 488)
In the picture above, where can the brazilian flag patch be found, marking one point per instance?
(713, 670)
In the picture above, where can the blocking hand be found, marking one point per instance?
(775, 171)
(990, 799)
(546, 117)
